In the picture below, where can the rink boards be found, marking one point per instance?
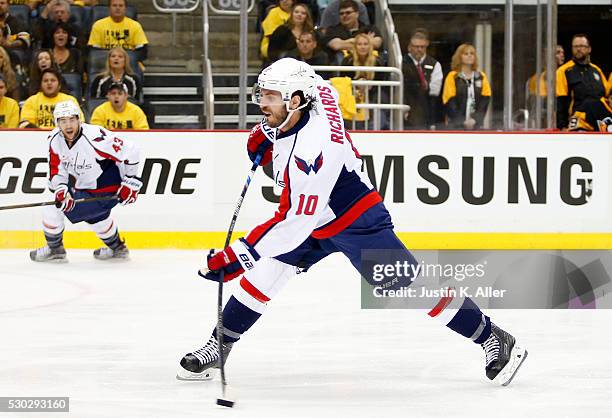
(444, 190)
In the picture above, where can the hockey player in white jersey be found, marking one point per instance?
(87, 161)
(327, 205)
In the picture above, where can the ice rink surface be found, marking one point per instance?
(110, 335)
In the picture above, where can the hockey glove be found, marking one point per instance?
(259, 144)
(63, 199)
(233, 261)
(128, 192)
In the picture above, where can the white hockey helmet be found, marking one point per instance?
(64, 109)
(286, 76)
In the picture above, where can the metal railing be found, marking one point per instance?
(208, 96)
(396, 107)
(384, 22)
(207, 83)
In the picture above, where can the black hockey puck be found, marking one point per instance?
(225, 402)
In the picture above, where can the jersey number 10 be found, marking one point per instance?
(310, 206)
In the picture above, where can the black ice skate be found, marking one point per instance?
(503, 356)
(46, 253)
(107, 253)
(201, 364)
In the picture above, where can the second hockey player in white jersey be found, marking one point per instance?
(328, 205)
(87, 161)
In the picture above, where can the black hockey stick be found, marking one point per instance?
(223, 401)
(32, 205)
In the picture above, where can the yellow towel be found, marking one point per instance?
(347, 101)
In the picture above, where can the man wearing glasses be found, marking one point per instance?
(422, 83)
(578, 80)
(342, 37)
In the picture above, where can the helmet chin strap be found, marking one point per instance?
(290, 113)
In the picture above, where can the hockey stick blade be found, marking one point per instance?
(225, 402)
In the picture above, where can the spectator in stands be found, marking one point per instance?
(275, 18)
(363, 55)
(342, 37)
(55, 12)
(11, 89)
(118, 70)
(9, 108)
(559, 60)
(331, 16)
(313, 8)
(422, 83)
(578, 80)
(559, 55)
(68, 60)
(308, 52)
(119, 30)
(532, 88)
(42, 60)
(265, 6)
(118, 112)
(283, 39)
(37, 111)
(467, 91)
(15, 35)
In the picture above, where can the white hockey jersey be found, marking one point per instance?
(97, 160)
(324, 187)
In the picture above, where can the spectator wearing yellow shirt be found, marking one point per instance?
(117, 112)
(119, 30)
(276, 17)
(37, 111)
(9, 108)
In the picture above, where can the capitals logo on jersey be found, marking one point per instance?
(307, 167)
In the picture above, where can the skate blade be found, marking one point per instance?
(186, 375)
(118, 259)
(517, 356)
(62, 260)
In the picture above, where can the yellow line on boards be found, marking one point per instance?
(412, 240)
